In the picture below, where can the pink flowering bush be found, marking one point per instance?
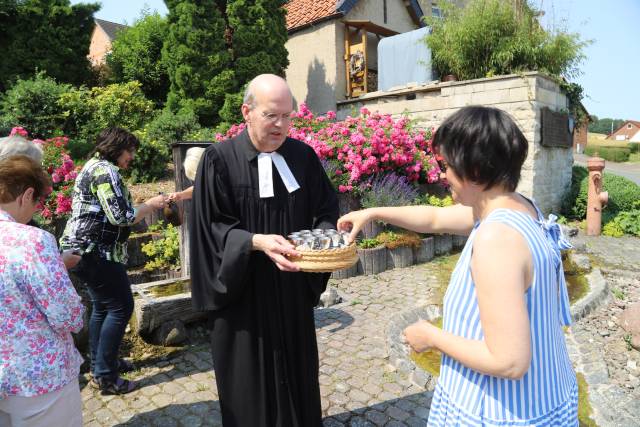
(58, 163)
(358, 149)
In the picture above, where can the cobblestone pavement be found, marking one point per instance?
(597, 342)
(357, 385)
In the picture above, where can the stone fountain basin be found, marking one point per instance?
(162, 301)
(596, 294)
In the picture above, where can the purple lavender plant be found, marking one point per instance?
(388, 190)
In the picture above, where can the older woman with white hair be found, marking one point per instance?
(16, 144)
(190, 165)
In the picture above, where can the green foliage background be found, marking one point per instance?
(48, 35)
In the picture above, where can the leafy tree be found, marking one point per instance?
(137, 55)
(197, 58)
(215, 47)
(49, 35)
(605, 125)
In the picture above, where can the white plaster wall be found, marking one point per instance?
(546, 173)
(314, 66)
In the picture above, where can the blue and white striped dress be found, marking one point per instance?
(547, 395)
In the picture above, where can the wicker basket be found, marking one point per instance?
(327, 260)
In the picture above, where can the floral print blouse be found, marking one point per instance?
(39, 308)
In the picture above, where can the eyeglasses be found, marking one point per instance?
(273, 117)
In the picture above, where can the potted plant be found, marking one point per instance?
(400, 245)
(373, 256)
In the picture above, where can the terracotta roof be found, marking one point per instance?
(623, 130)
(304, 12)
(111, 28)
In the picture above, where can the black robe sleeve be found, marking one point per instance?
(219, 250)
(325, 208)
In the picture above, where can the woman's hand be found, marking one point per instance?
(419, 335)
(353, 222)
(70, 259)
(157, 202)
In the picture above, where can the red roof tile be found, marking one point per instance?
(303, 12)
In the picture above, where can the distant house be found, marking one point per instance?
(629, 131)
(333, 44)
(103, 35)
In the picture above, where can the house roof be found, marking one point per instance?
(302, 13)
(111, 28)
(623, 130)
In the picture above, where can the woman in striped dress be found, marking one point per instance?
(505, 360)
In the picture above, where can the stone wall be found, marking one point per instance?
(546, 174)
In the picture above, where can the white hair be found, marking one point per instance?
(191, 161)
(16, 144)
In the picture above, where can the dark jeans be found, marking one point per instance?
(112, 302)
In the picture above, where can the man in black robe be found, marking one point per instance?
(250, 191)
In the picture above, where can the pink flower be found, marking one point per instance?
(55, 178)
(19, 130)
(331, 115)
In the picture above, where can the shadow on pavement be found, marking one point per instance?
(329, 316)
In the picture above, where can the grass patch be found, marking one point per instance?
(584, 407)
(444, 267)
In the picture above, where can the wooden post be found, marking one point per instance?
(364, 53)
(346, 59)
(179, 151)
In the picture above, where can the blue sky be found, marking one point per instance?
(611, 72)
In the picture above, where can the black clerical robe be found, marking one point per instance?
(263, 337)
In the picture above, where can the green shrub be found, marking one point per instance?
(622, 195)
(369, 243)
(163, 253)
(122, 105)
(33, 104)
(626, 222)
(156, 138)
(496, 37)
(634, 147)
(612, 154)
(433, 200)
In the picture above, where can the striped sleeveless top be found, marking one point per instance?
(547, 395)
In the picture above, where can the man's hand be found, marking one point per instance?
(276, 247)
(70, 259)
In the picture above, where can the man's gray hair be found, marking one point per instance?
(16, 144)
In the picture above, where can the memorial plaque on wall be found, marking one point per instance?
(555, 129)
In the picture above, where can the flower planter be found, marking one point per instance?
(374, 260)
(137, 258)
(459, 241)
(426, 251)
(372, 229)
(345, 273)
(443, 244)
(399, 257)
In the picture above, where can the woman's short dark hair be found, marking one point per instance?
(482, 145)
(113, 141)
(20, 172)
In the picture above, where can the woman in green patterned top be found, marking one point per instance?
(100, 224)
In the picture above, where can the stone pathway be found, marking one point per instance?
(357, 384)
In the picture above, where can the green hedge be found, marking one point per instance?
(612, 154)
(622, 195)
(634, 147)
